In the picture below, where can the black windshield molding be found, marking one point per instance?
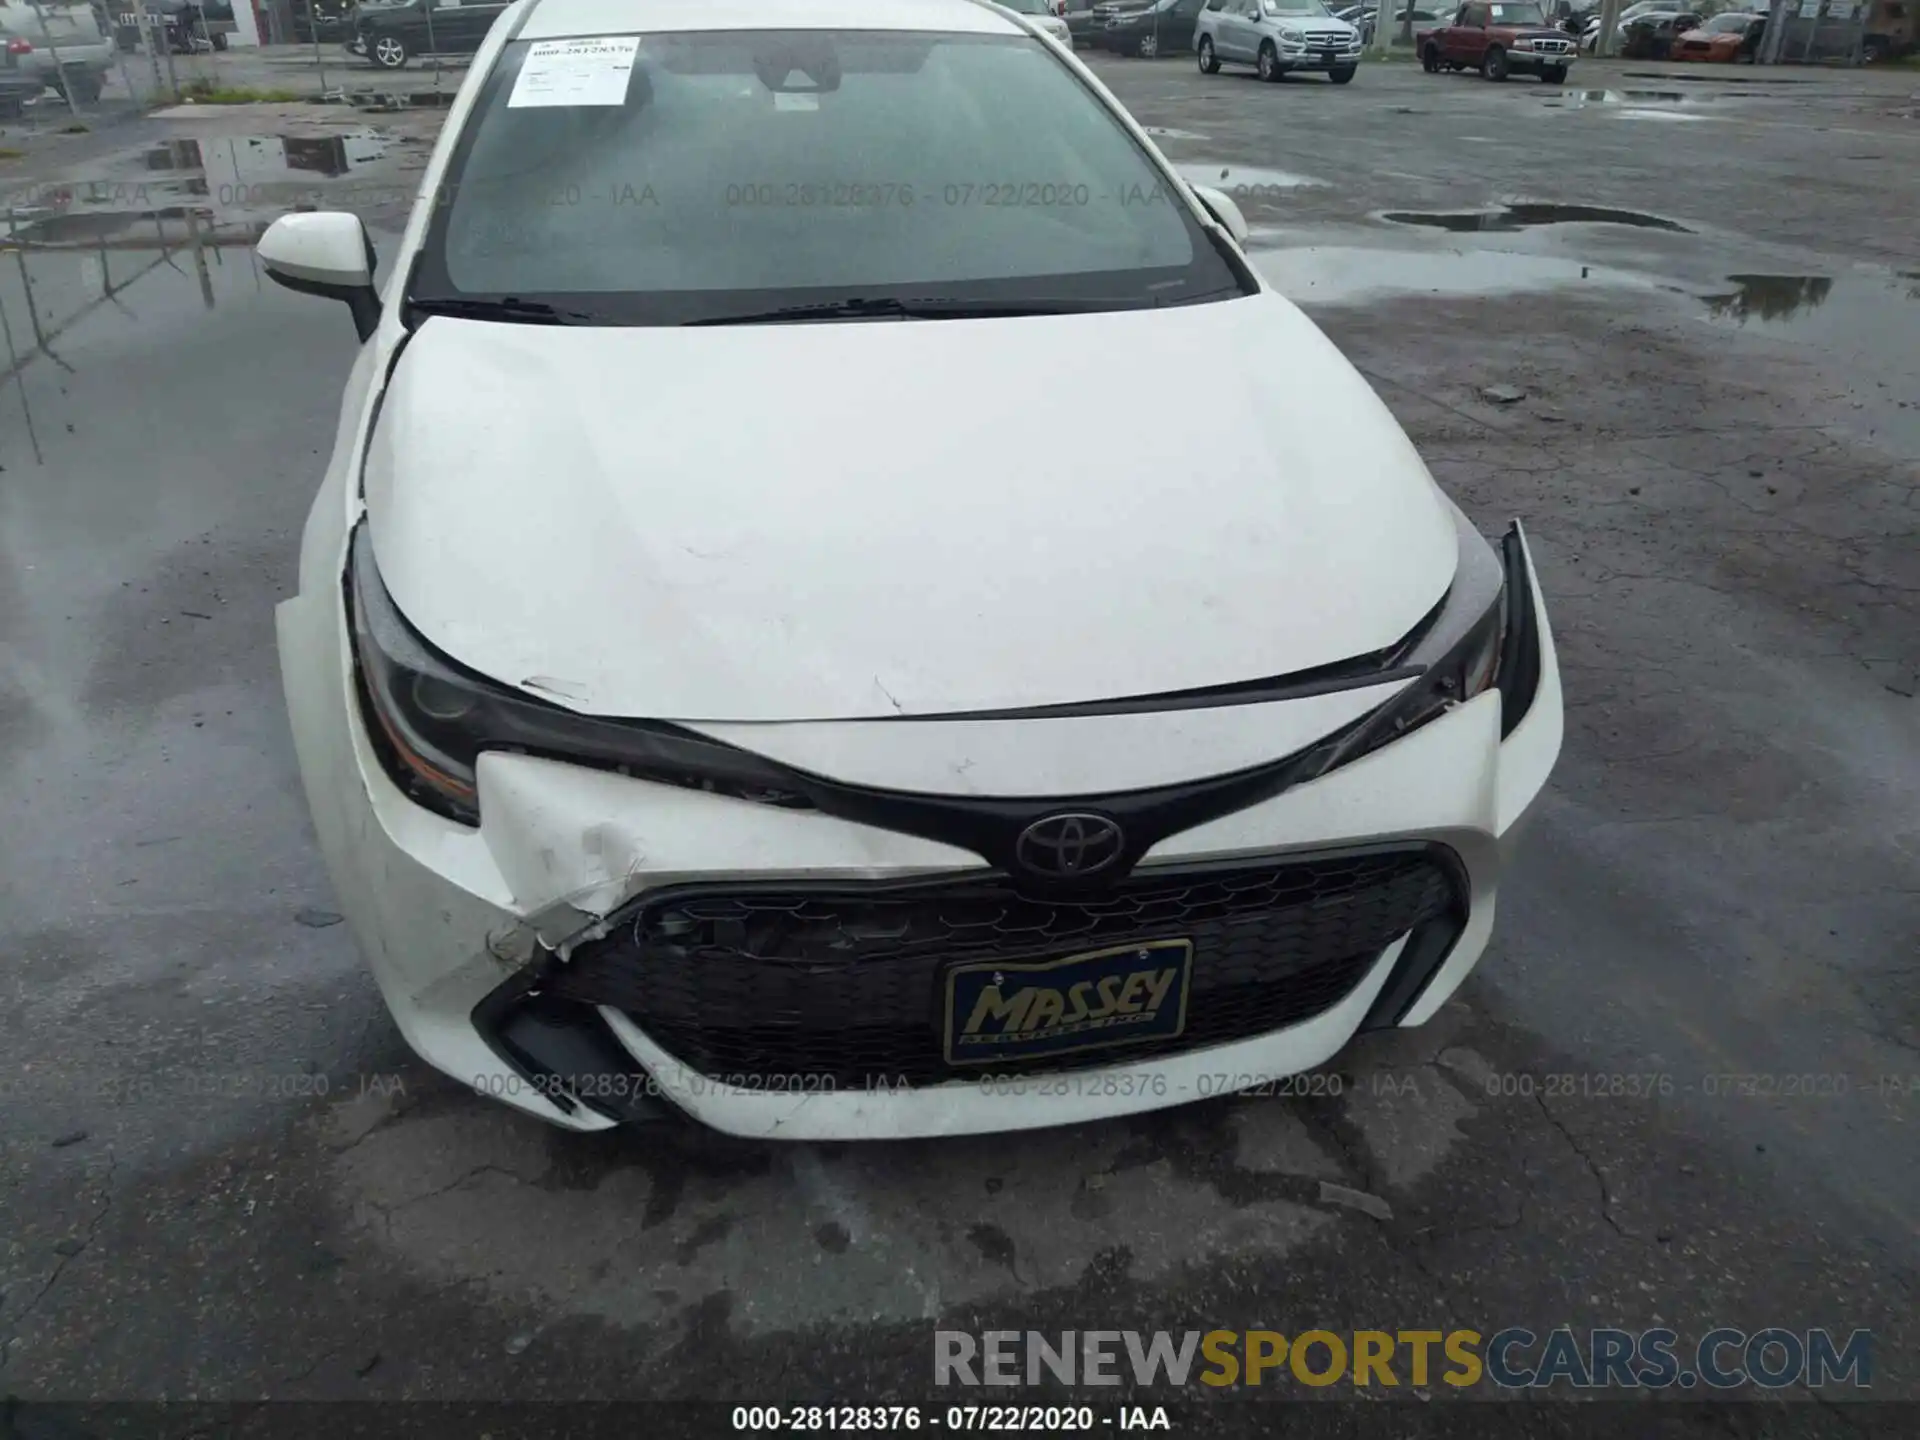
(1229, 251)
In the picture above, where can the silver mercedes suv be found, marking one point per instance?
(1276, 37)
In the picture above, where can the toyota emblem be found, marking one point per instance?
(1070, 846)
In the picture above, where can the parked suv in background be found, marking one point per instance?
(1276, 37)
(1159, 28)
(392, 32)
(33, 35)
(1085, 22)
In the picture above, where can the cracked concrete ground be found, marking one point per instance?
(1681, 1089)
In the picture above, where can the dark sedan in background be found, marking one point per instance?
(391, 32)
(1159, 27)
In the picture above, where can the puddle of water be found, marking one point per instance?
(1339, 274)
(1244, 182)
(1526, 216)
(90, 228)
(1770, 297)
(237, 176)
(160, 268)
(1710, 79)
(256, 158)
(1867, 325)
(1644, 97)
(173, 155)
(1641, 104)
(255, 172)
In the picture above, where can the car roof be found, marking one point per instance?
(557, 19)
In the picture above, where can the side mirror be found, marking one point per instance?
(1221, 206)
(327, 253)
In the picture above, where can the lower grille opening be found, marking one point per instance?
(564, 1052)
(844, 986)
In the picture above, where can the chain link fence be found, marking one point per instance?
(82, 66)
(1815, 32)
(56, 269)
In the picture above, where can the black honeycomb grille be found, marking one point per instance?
(845, 984)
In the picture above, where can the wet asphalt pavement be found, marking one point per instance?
(1683, 1087)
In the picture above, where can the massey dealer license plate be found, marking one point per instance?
(999, 1012)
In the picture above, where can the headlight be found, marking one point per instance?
(1459, 647)
(430, 719)
(1291, 35)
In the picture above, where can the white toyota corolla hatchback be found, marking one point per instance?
(720, 689)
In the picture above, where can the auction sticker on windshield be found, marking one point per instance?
(576, 72)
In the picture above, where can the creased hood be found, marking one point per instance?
(834, 521)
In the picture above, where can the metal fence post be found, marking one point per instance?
(1776, 30)
(199, 256)
(20, 378)
(144, 23)
(1607, 40)
(166, 48)
(1383, 27)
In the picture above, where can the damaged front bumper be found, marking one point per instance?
(474, 935)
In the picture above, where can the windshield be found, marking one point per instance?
(696, 175)
(1727, 24)
(1508, 14)
(1294, 7)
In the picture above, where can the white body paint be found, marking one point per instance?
(788, 536)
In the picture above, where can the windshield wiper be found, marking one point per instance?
(861, 307)
(507, 308)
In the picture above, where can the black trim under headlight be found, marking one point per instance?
(430, 719)
(1459, 655)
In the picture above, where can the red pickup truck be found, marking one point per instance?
(1497, 38)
